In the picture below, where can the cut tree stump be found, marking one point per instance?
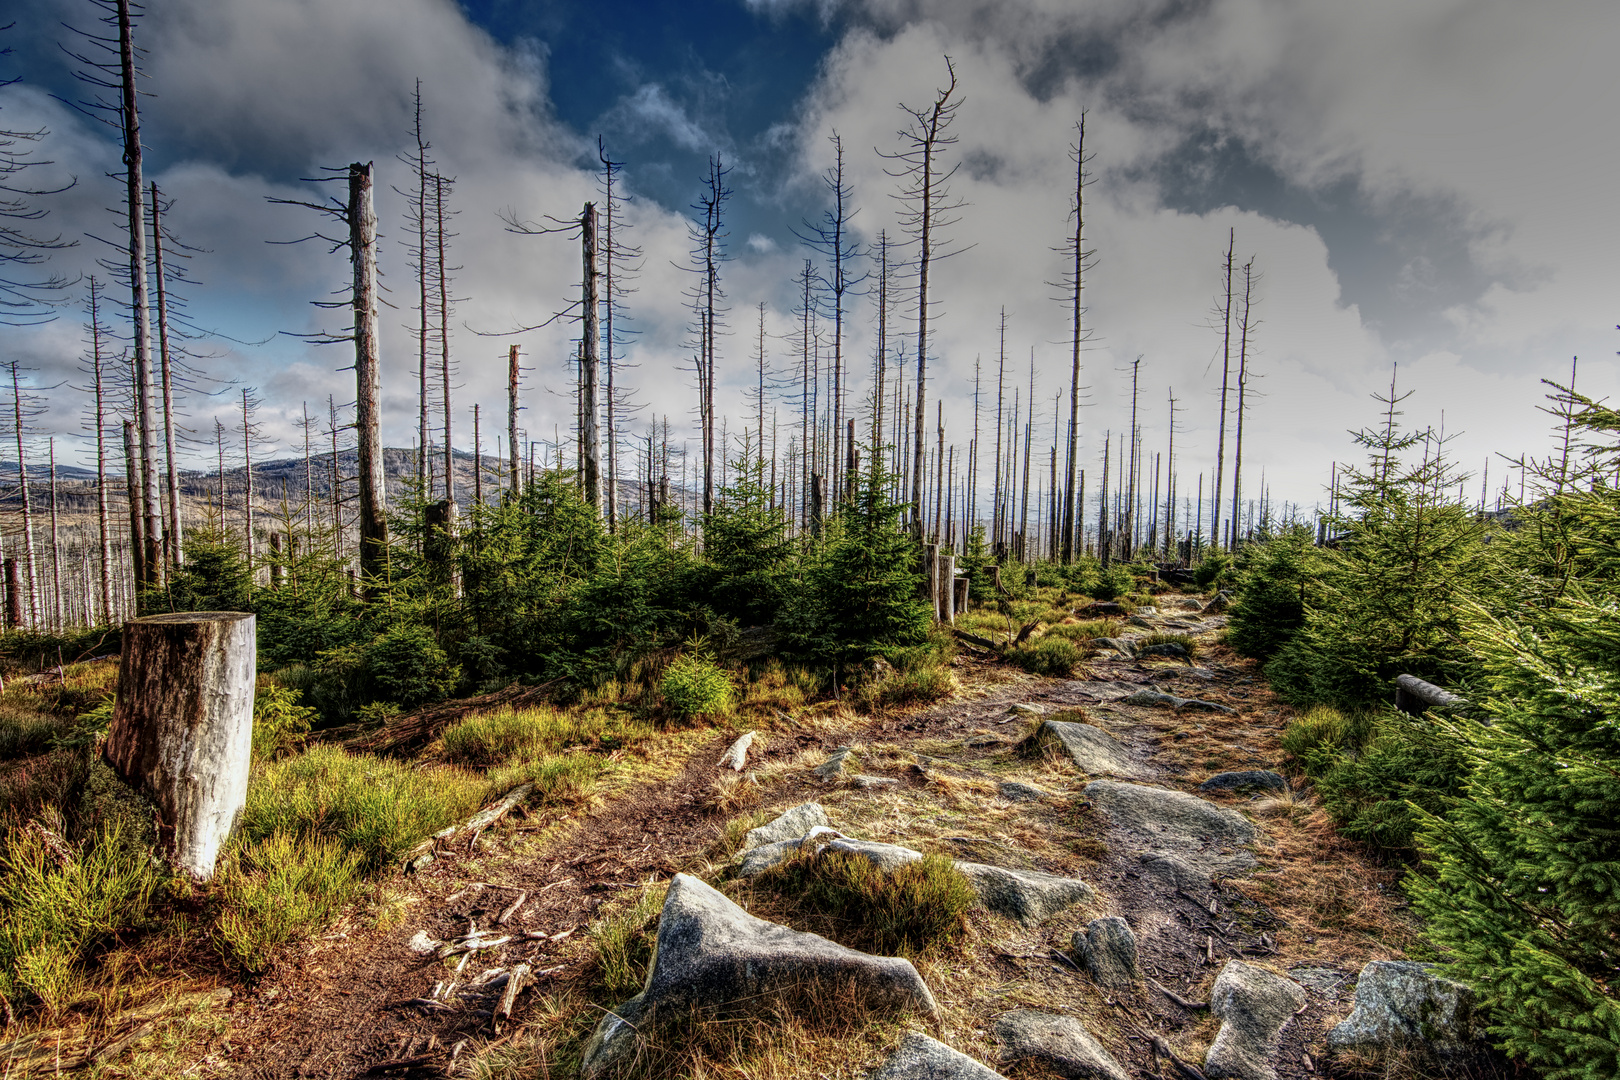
(182, 729)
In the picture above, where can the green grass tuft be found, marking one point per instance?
(912, 910)
(377, 807)
(1054, 657)
(58, 902)
(622, 944)
(280, 889)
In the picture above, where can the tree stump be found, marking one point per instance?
(182, 729)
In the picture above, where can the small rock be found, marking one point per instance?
(1123, 646)
(882, 856)
(1024, 709)
(793, 823)
(421, 944)
(1171, 873)
(1400, 1004)
(710, 952)
(1014, 791)
(865, 780)
(1173, 650)
(736, 755)
(1094, 751)
(1252, 1005)
(757, 860)
(1107, 949)
(1028, 896)
(920, 1058)
(879, 668)
(1217, 604)
(979, 742)
(1059, 1042)
(1245, 780)
(843, 760)
(1138, 621)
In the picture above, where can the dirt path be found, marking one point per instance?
(1311, 906)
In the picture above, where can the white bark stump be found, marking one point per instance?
(182, 729)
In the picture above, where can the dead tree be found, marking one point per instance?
(250, 405)
(22, 410)
(172, 541)
(512, 416)
(997, 518)
(97, 330)
(830, 239)
(590, 435)
(1246, 325)
(708, 304)
(417, 254)
(620, 265)
(1225, 311)
(1076, 250)
(359, 215)
(925, 195)
(132, 486)
(440, 237)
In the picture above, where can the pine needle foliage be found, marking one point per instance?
(1522, 884)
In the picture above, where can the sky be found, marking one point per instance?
(1421, 183)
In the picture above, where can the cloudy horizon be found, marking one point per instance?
(1421, 183)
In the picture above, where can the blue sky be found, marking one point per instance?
(1428, 182)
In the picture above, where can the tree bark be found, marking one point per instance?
(512, 417)
(590, 434)
(137, 520)
(171, 541)
(151, 554)
(373, 497)
(182, 728)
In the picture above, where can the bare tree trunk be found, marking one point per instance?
(1226, 371)
(151, 555)
(590, 435)
(930, 142)
(939, 467)
(373, 496)
(1130, 476)
(1069, 518)
(512, 416)
(101, 457)
(997, 519)
(1245, 325)
(137, 520)
(247, 496)
(443, 285)
(478, 462)
(26, 498)
(1104, 548)
(171, 543)
(56, 548)
(336, 492)
(423, 328)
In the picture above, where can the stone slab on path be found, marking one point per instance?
(1206, 838)
(1093, 750)
(711, 953)
(1061, 1043)
(760, 859)
(1252, 1005)
(920, 1058)
(791, 824)
(1028, 896)
(1245, 780)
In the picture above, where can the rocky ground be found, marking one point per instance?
(1159, 897)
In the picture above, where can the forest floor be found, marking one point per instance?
(351, 1002)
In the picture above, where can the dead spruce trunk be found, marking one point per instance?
(182, 729)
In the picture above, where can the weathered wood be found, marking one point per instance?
(737, 755)
(590, 358)
(13, 595)
(512, 908)
(1413, 695)
(362, 219)
(182, 728)
(515, 982)
(959, 587)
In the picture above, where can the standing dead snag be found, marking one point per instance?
(926, 199)
(1071, 516)
(590, 433)
(182, 727)
(362, 218)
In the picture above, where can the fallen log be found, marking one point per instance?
(737, 755)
